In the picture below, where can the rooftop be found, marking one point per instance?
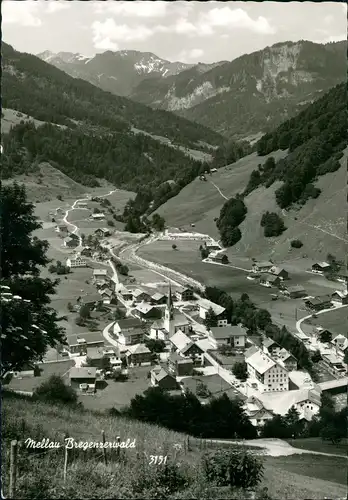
(224, 332)
(260, 362)
(269, 342)
(100, 272)
(250, 351)
(263, 263)
(277, 270)
(176, 358)
(138, 349)
(268, 277)
(207, 304)
(180, 340)
(144, 308)
(215, 384)
(319, 300)
(295, 288)
(88, 337)
(83, 372)
(321, 264)
(129, 323)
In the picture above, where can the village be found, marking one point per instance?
(127, 335)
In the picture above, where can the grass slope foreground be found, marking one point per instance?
(96, 135)
(40, 472)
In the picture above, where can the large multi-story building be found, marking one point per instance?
(265, 374)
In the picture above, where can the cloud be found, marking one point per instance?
(57, 5)
(143, 9)
(107, 33)
(238, 18)
(190, 56)
(23, 13)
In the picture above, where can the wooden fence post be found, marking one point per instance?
(13, 468)
(104, 449)
(118, 449)
(188, 443)
(66, 451)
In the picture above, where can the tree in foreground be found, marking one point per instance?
(28, 324)
(55, 390)
(240, 371)
(210, 319)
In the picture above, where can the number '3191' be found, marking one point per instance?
(158, 459)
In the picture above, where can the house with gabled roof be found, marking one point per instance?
(262, 266)
(269, 280)
(233, 335)
(318, 303)
(321, 267)
(341, 297)
(180, 366)
(295, 291)
(138, 355)
(161, 378)
(280, 272)
(257, 412)
(205, 305)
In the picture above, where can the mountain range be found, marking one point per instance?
(118, 72)
(242, 98)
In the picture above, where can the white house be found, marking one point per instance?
(100, 274)
(262, 266)
(265, 374)
(179, 340)
(341, 344)
(257, 412)
(76, 261)
(205, 305)
(99, 216)
(129, 331)
(233, 335)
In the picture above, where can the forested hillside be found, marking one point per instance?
(87, 133)
(315, 139)
(41, 90)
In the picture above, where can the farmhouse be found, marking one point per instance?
(158, 298)
(124, 292)
(179, 340)
(319, 303)
(212, 245)
(265, 374)
(270, 347)
(262, 266)
(295, 291)
(341, 344)
(233, 335)
(270, 280)
(83, 379)
(107, 295)
(257, 412)
(96, 355)
(334, 362)
(62, 229)
(286, 359)
(194, 351)
(184, 294)
(138, 355)
(129, 331)
(76, 261)
(146, 311)
(102, 232)
(321, 267)
(340, 297)
(140, 295)
(180, 366)
(91, 300)
(221, 258)
(161, 378)
(280, 272)
(79, 343)
(220, 312)
(99, 216)
(100, 274)
(70, 242)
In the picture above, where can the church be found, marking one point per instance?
(173, 321)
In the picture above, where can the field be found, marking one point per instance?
(335, 321)
(186, 258)
(298, 476)
(316, 444)
(320, 224)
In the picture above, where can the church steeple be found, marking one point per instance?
(170, 308)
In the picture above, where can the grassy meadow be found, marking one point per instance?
(130, 475)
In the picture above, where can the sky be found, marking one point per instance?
(190, 32)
